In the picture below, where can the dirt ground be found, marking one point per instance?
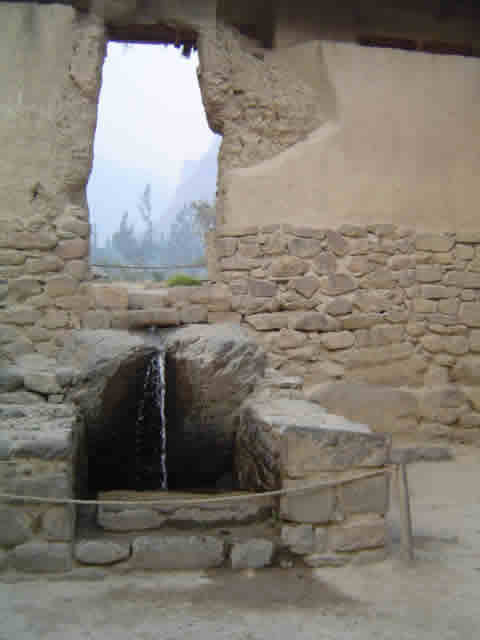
(437, 598)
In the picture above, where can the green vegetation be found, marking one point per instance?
(182, 280)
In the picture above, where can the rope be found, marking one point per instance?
(198, 501)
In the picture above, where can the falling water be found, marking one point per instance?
(150, 429)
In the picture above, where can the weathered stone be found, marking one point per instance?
(362, 533)
(437, 291)
(324, 263)
(386, 334)
(306, 285)
(21, 397)
(41, 382)
(288, 267)
(366, 495)
(373, 302)
(43, 485)
(361, 320)
(19, 289)
(72, 249)
(225, 247)
(239, 263)
(58, 524)
(339, 307)
(144, 299)
(96, 320)
(261, 288)
(337, 243)
(449, 306)
(359, 265)
(268, 321)
(304, 232)
(464, 252)
(11, 378)
(8, 257)
(447, 397)
(455, 345)
(236, 232)
(375, 355)
(304, 247)
(290, 339)
(224, 317)
(4, 558)
(42, 557)
(338, 340)
(47, 447)
(77, 269)
(434, 242)
(336, 284)
(369, 404)
(470, 314)
(73, 225)
(55, 319)
(314, 506)
(15, 526)
(469, 420)
(28, 240)
(253, 554)
(298, 538)
(467, 370)
(427, 273)
(109, 296)
(317, 560)
(101, 552)
(193, 313)
(177, 552)
(212, 369)
(133, 519)
(44, 264)
(408, 455)
(290, 300)
(313, 321)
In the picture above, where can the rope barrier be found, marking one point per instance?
(199, 501)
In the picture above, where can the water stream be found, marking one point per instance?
(150, 430)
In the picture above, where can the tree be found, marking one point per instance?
(145, 210)
(205, 217)
(124, 240)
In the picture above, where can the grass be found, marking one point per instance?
(183, 280)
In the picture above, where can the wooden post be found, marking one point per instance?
(406, 535)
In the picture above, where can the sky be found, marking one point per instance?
(150, 122)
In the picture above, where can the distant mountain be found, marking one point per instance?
(113, 189)
(198, 181)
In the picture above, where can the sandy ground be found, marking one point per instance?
(437, 598)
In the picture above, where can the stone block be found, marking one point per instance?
(63, 285)
(287, 267)
(324, 263)
(298, 538)
(437, 291)
(42, 557)
(261, 288)
(312, 506)
(130, 519)
(467, 370)
(96, 320)
(289, 339)
(365, 532)
(268, 321)
(28, 240)
(338, 340)
(46, 446)
(15, 526)
(366, 495)
(434, 242)
(225, 247)
(55, 319)
(45, 264)
(318, 560)
(360, 265)
(4, 557)
(142, 299)
(44, 382)
(77, 269)
(337, 243)
(193, 314)
(20, 315)
(224, 317)
(58, 524)
(313, 321)
(236, 232)
(101, 552)
(336, 284)
(253, 554)
(177, 552)
(361, 320)
(43, 485)
(306, 285)
(73, 225)
(464, 251)
(72, 249)
(239, 263)
(109, 296)
(11, 378)
(469, 314)
(19, 289)
(304, 247)
(428, 273)
(386, 334)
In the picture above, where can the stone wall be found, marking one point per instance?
(380, 322)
